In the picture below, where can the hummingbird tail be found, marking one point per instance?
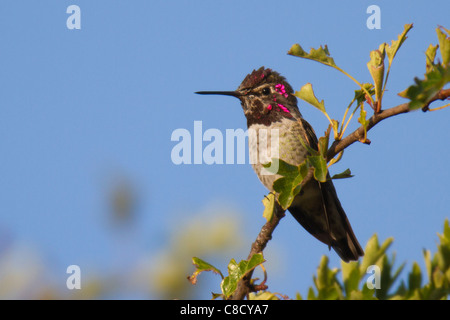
(346, 245)
(348, 248)
(318, 209)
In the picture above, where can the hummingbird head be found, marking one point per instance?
(265, 96)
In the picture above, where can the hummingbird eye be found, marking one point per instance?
(266, 91)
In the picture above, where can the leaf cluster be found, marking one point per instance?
(236, 271)
(437, 74)
(356, 282)
(374, 277)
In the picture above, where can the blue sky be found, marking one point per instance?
(82, 108)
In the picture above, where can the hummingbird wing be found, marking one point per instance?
(318, 209)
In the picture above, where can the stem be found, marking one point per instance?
(336, 134)
(386, 79)
(357, 82)
(348, 121)
(341, 133)
(439, 108)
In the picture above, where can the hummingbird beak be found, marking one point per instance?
(235, 94)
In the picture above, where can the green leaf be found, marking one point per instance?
(387, 278)
(236, 271)
(364, 122)
(376, 69)
(311, 294)
(399, 292)
(382, 49)
(285, 187)
(288, 186)
(284, 168)
(373, 252)
(443, 254)
(320, 167)
(306, 93)
(438, 278)
(362, 118)
(392, 49)
(326, 281)
(447, 274)
(269, 205)
(436, 77)
(430, 55)
(428, 263)
(323, 144)
(202, 266)
(444, 44)
(415, 277)
(335, 126)
(321, 55)
(423, 91)
(351, 276)
(343, 175)
(360, 95)
(445, 237)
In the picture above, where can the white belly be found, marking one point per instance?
(280, 141)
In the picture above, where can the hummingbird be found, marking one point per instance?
(269, 104)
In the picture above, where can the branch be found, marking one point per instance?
(245, 286)
(358, 134)
(441, 95)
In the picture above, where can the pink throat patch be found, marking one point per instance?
(283, 108)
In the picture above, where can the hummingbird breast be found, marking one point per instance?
(279, 140)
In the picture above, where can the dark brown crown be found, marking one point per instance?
(263, 75)
(255, 78)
